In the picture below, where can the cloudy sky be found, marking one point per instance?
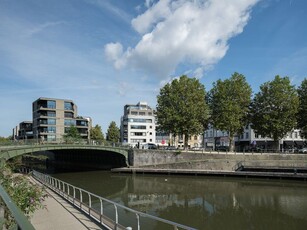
(103, 54)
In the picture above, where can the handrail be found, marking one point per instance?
(20, 218)
(59, 187)
(237, 166)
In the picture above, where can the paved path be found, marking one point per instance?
(60, 214)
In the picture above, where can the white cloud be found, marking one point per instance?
(113, 51)
(177, 31)
(42, 27)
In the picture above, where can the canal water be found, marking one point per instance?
(203, 202)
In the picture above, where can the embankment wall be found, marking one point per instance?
(212, 161)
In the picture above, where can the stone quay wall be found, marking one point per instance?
(212, 160)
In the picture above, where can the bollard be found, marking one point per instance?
(128, 228)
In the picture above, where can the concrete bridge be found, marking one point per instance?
(9, 152)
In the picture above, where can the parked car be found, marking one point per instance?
(149, 146)
(195, 148)
(171, 148)
(303, 150)
(222, 148)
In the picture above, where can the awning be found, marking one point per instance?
(260, 143)
(299, 143)
(288, 143)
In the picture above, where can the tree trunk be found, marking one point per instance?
(186, 141)
(231, 143)
(276, 146)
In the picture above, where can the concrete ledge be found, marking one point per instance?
(279, 175)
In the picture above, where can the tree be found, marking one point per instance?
(4, 140)
(181, 108)
(302, 110)
(113, 133)
(72, 134)
(274, 109)
(229, 102)
(96, 133)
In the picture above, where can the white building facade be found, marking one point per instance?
(250, 140)
(138, 125)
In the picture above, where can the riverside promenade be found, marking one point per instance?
(60, 214)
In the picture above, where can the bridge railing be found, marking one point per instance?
(61, 141)
(110, 214)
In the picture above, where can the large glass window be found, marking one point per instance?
(51, 121)
(140, 120)
(51, 129)
(81, 123)
(138, 140)
(138, 134)
(68, 105)
(51, 104)
(68, 114)
(138, 127)
(69, 122)
(50, 113)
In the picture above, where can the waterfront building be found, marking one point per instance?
(53, 117)
(194, 141)
(250, 140)
(23, 131)
(162, 138)
(138, 125)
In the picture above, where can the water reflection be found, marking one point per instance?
(204, 202)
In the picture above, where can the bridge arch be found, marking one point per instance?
(14, 151)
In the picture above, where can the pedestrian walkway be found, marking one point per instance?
(60, 214)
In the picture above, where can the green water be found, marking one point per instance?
(203, 202)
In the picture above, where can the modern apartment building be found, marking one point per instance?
(138, 125)
(53, 117)
(23, 131)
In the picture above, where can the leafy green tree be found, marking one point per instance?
(113, 133)
(72, 134)
(182, 108)
(302, 110)
(229, 101)
(96, 133)
(274, 109)
(4, 140)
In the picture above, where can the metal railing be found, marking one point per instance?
(106, 212)
(238, 166)
(80, 141)
(19, 217)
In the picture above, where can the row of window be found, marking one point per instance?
(138, 120)
(67, 122)
(139, 127)
(139, 133)
(47, 121)
(67, 105)
(140, 113)
(49, 129)
(139, 140)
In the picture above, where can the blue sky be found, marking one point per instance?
(103, 54)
